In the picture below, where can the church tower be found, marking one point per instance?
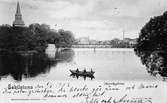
(18, 22)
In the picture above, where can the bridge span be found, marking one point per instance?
(92, 46)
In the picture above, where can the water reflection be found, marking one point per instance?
(65, 55)
(30, 65)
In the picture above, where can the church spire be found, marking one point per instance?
(18, 17)
(18, 8)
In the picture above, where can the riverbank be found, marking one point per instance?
(105, 49)
(51, 47)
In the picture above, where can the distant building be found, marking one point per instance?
(93, 42)
(130, 41)
(133, 42)
(106, 42)
(116, 40)
(18, 22)
(83, 40)
(126, 39)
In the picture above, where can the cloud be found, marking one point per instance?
(65, 9)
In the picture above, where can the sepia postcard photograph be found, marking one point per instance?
(83, 51)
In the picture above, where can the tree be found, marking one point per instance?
(151, 45)
(40, 33)
(61, 39)
(14, 38)
(66, 38)
(34, 37)
(22, 38)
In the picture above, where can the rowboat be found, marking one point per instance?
(82, 73)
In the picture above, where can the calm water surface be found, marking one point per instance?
(108, 64)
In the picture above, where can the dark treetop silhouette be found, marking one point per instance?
(151, 45)
(35, 37)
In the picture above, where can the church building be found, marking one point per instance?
(18, 22)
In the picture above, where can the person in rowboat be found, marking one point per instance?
(77, 70)
(84, 70)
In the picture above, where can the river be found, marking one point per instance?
(108, 64)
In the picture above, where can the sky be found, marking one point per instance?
(96, 19)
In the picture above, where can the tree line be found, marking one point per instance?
(34, 37)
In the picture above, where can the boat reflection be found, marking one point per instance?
(82, 76)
